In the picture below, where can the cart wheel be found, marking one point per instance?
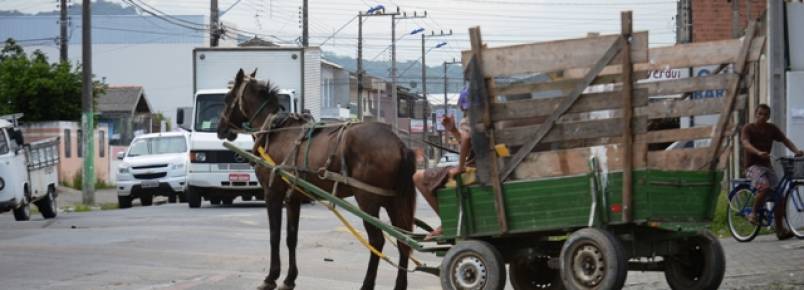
(699, 265)
(23, 213)
(593, 259)
(529, 272)
(473, 265)
(47, 205)
(740, 205)
(123, 201)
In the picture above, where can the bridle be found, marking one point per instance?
(238, 101)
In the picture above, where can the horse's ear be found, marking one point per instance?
(254, 73)
(239, 76)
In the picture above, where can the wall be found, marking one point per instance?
(70, 166)
(711, 19)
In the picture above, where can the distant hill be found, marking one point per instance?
(98, 8)
(409, 72)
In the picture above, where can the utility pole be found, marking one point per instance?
(88, 172)
(214, 31)
(63, 31)
(441, 134)
(305, 31)
(424, 88)
(394, 96)
(378, 10)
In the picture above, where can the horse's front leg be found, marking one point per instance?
(274, 205)
(293, 209)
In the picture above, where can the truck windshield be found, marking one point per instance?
(158, 145)
(3, 142)
(208, 110)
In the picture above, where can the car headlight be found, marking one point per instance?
(2, 183)
(123, 169)
(177, 166)
(199, 157)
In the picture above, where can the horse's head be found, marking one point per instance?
(247, 100)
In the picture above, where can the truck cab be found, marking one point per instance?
(217, 174)
(28, 172)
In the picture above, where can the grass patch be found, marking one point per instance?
(720, 225)
(82, 208)
(108, 206)
(78, 182)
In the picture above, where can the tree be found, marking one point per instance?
(41, 90)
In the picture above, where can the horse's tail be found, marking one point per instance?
(406, 192)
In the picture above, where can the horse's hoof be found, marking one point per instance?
(267, 286)
(285, 286)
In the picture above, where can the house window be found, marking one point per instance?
(68, 145)
(101, 143)
(80, 145)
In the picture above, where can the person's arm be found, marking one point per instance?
(792, 147)
(466, 145)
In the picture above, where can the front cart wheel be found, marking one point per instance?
(593, 259)
(475, 265)
(700, 264)
(530, 272)
(741, 204)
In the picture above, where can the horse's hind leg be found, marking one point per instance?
(275, 229)
(293, 208)
(402, 219)
(377, 241)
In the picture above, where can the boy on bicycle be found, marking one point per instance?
(757, 138)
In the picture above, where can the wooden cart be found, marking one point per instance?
(596, 186)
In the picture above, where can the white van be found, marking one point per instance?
(154, 164)
(28, 172)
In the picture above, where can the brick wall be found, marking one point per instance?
(711, 19)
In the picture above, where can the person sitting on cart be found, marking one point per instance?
(429, 180)
(757, 138)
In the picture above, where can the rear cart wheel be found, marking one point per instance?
(530, 272)
(740, 206)
(475, 265)
(47, 205)
(699, 266)
(593, 259)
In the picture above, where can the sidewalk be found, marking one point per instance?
(68, 197)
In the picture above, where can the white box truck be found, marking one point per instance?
(28, 172)
(217, 174)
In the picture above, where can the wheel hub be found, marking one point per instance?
(470, 273)
(588, 265)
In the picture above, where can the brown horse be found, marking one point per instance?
(369, 152)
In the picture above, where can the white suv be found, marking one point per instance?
(155, 164)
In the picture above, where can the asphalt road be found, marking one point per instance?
(173, 247)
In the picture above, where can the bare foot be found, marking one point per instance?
(435, 233)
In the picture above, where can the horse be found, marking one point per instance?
(369, 152)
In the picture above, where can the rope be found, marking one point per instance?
(340, 217)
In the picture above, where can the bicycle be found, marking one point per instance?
(790, 189)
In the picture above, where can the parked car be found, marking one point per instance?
(28, 172)
(449, 159)
(154, 164)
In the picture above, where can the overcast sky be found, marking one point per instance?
(502, 22)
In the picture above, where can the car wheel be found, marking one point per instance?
(23, 213)
(147, 199)
(123, 201)
(193, 198)
(172, 198)
(47, 205)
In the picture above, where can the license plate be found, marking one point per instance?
(239, 177)
(149, 184)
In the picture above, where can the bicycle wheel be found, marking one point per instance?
(740, 206)
(794, 210)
